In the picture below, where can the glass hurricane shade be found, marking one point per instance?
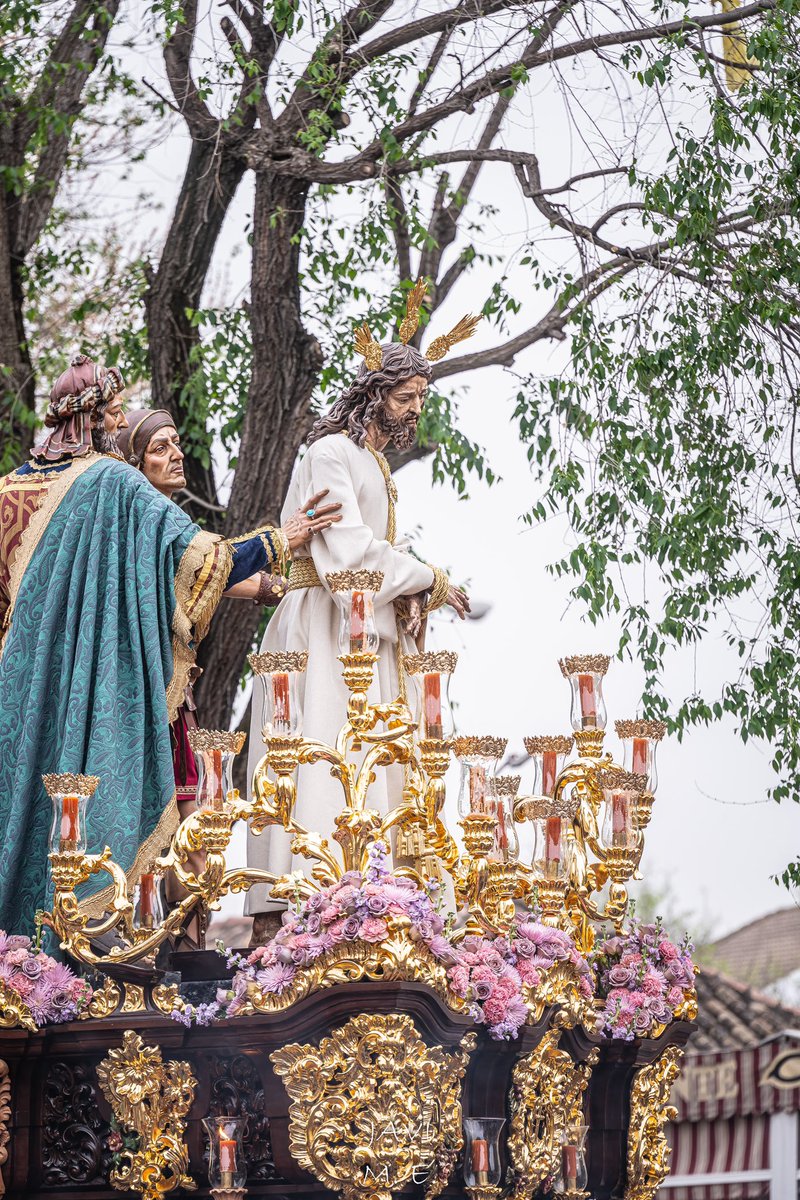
(639, 756)
(68, 827)
(226, 1163)
(280, 705)
(587, 709)
(482, 1165)
(619, 826)
(358, 633)
(551, 847)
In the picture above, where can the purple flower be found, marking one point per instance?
(620, 976)
(352, 928)
(276, 979)
(32, 967)
(313, 923)
(482, 989)
(377, 905)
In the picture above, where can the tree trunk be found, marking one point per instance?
(17, 390)
(286, 364)
(211, 178)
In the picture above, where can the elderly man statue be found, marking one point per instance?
(106, 589)
(345, 454)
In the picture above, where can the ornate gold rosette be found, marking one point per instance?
(441, 661)
(286, 660)
(624, 781)
(654, 730)
(584, 664)
(203, 740)
(548, 744)
(67, 784)
(480, 746)
(351, 581)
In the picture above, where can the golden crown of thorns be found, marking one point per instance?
(366, 345)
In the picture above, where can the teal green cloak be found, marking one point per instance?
(96, 640)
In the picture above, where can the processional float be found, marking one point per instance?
(361, 1054)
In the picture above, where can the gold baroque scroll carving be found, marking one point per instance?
(648, 1152)
(149, 1098)
(5, 1119)
(546, 1099)
(374, 1107)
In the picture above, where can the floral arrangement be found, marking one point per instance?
(643, 978)
(491, 974)
(51, 992)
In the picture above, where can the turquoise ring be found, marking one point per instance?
(311, 512)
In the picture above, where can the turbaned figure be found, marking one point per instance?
(345, 455)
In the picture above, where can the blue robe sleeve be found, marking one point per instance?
(257, 551)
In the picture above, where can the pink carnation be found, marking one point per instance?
(374, 929)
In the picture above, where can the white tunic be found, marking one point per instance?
(308, 619)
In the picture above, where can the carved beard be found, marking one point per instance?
(403, 433)
(103, 441)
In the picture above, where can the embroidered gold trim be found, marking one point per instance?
(625, 781)
(442, 661)
(38, 524)
(74, 785)
(202, 740)
(346, 581)
(481, 746)
(584, 664)
(654, 730)
(281, 660)
(548, 744)
(184, 631)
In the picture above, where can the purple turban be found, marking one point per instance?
(74, 399)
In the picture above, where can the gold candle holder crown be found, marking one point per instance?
(68, 784)
(547, 744)
(355, 581)
(203, 740)
(479, 746)
(537, 808)
(654, 730)
(584, 664)
(285, 660)
(617, 778)
(442, 662)
(507, 785)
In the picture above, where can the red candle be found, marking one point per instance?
(70, 828)
(432, 705)
(549, 763)
(357, 623)
(587, 701)
(477, 789)
(619, 819)
(227, 1155)
(569, 1159)
(480, 1157)
(552, 846)
(641, 747)
(214, 782)
(280, 700)
(147, 900)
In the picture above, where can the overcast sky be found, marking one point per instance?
(714, 840)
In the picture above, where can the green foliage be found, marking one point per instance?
(671, 439)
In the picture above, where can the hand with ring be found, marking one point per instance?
(310, 519)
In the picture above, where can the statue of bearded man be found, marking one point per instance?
(344, 454)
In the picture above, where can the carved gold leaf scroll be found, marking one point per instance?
(546, 1090)
(374, 1107)
(648, 1152)
(149, 1098)
(5, 1119)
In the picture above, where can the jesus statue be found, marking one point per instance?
(345, 456)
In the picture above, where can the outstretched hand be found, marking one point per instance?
(301, 527)
(458, 600)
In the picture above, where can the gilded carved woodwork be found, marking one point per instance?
(373, 1107)
(14, 1012)
(648, 1152)
(545, 1101)
(149, 1099)
(5, 1119)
